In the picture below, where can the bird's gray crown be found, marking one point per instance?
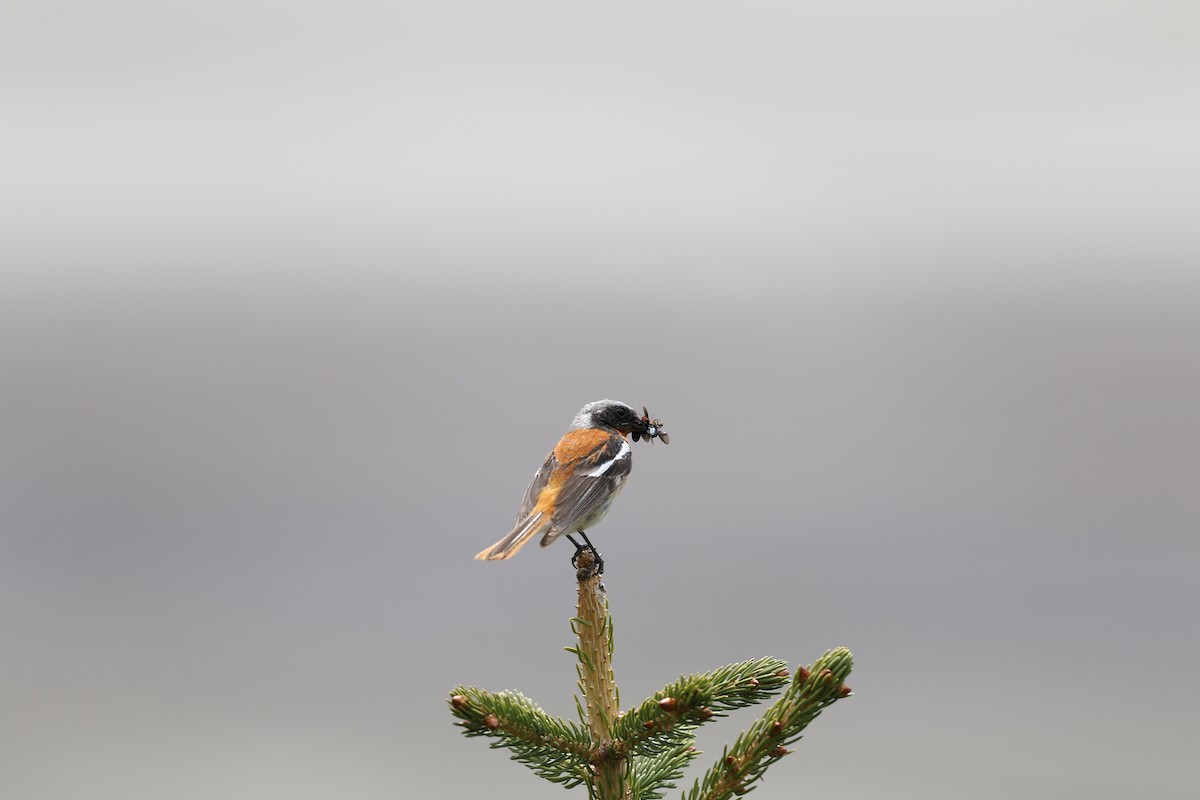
(605, 413)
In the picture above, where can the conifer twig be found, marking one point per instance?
(672, 714)
(764, 742)
(641, 753)
(651, 776)
(555, 749)
(593, 627)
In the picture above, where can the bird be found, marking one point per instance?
(580, 478)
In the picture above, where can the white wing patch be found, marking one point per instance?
(607, 465)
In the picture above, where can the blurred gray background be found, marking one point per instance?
(294, 297)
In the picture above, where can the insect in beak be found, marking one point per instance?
(653, 429)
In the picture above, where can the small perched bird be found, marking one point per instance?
(579, 479)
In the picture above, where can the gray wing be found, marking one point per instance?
(590, 488)
(540, 478)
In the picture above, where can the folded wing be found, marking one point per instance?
(585, 496)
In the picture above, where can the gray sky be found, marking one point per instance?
(295, 297)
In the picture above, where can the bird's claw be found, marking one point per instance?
(594, 564)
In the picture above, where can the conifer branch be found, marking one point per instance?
(555, 749)
(763, 743)
(640, 754)
(593, 629)
(651, 776)
(668, 718)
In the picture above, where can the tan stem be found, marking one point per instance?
(596, 678)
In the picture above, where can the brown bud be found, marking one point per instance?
(491, 722)
(754, 683)
(648, 724)
(826, 674)
(780, 752)
(459, 701)
(776, 728)
(705, 712)
(802, 673)
(730, 762)
(667, 704)
(843, 690)
(783, 673)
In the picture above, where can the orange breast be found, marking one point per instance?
(571, 449)
(580, 444)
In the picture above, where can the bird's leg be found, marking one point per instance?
(595, 553)
(579, 548)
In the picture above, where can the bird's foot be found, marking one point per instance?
(594, 564)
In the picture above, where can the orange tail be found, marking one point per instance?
(525, 530)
